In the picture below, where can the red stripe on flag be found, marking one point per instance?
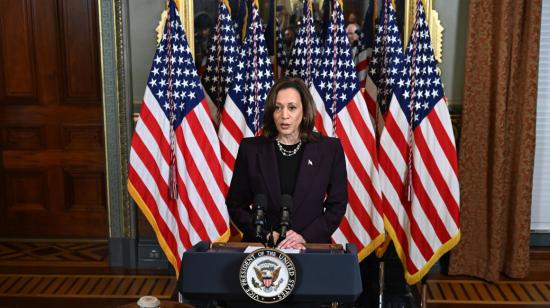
(362, 65)
(435, 173)
(400, 233)
(205, 146)
(150, 121)
(231, 126)
(392, 174)
(194, 218)
(151, 204)
(397, 135)
(443, 138)
(227, 157)
(152, 167)
(364, 132)
(183, 193)
(429, 209)
(319, 124)
(360, 212)
(355, 162)
(198, 181)
(346, 229)
(371, 103)
(416, 234)
(211, 159)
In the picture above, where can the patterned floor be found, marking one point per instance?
(473, 292)
(86, 286)
(57, 274)
(65, 253)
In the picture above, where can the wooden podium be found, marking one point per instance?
(325, 273)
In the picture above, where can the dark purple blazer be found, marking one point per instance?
(320, 195)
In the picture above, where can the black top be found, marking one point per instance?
(288, 167)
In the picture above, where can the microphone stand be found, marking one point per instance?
(260, 202)
(269, 240)
(286, 205)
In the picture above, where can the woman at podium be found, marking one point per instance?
(299, 174)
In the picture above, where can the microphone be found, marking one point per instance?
(259, 207)
(286, 209)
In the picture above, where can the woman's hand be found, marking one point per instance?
(293, 240)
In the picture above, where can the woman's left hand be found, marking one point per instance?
(293, 240)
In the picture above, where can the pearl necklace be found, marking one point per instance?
(286, 152)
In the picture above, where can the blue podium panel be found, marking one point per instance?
(324, 273)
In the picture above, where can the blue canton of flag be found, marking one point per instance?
(173, 76)
(274, 43)
(254, 76)
(243, 110)
(221, 61)
(336, 78)
(282, 60)
(423, 89)
(386, 69)
(306, 52)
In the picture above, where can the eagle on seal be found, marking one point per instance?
(267, 277)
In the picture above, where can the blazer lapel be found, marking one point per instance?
(309, 166)
(269, 171)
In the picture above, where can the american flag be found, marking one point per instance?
(342, 113)
(387, 61)
(275, 44)
(243, 110)
(221, 61)
(306, 53)
(175, 143)
(418, 161)
(364, 55)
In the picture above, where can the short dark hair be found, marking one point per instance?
(308, 107)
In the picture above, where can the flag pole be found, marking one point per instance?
(407, 22)
(381, 278)
(274, 12)
(374, 15)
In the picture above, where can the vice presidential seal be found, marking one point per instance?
(267, 275)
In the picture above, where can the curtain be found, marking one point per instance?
(497, 144)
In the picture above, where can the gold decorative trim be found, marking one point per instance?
(128, 229)
(436, 29)
(436, 33)
(187, 20)
(160, 28)
(115, 86)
